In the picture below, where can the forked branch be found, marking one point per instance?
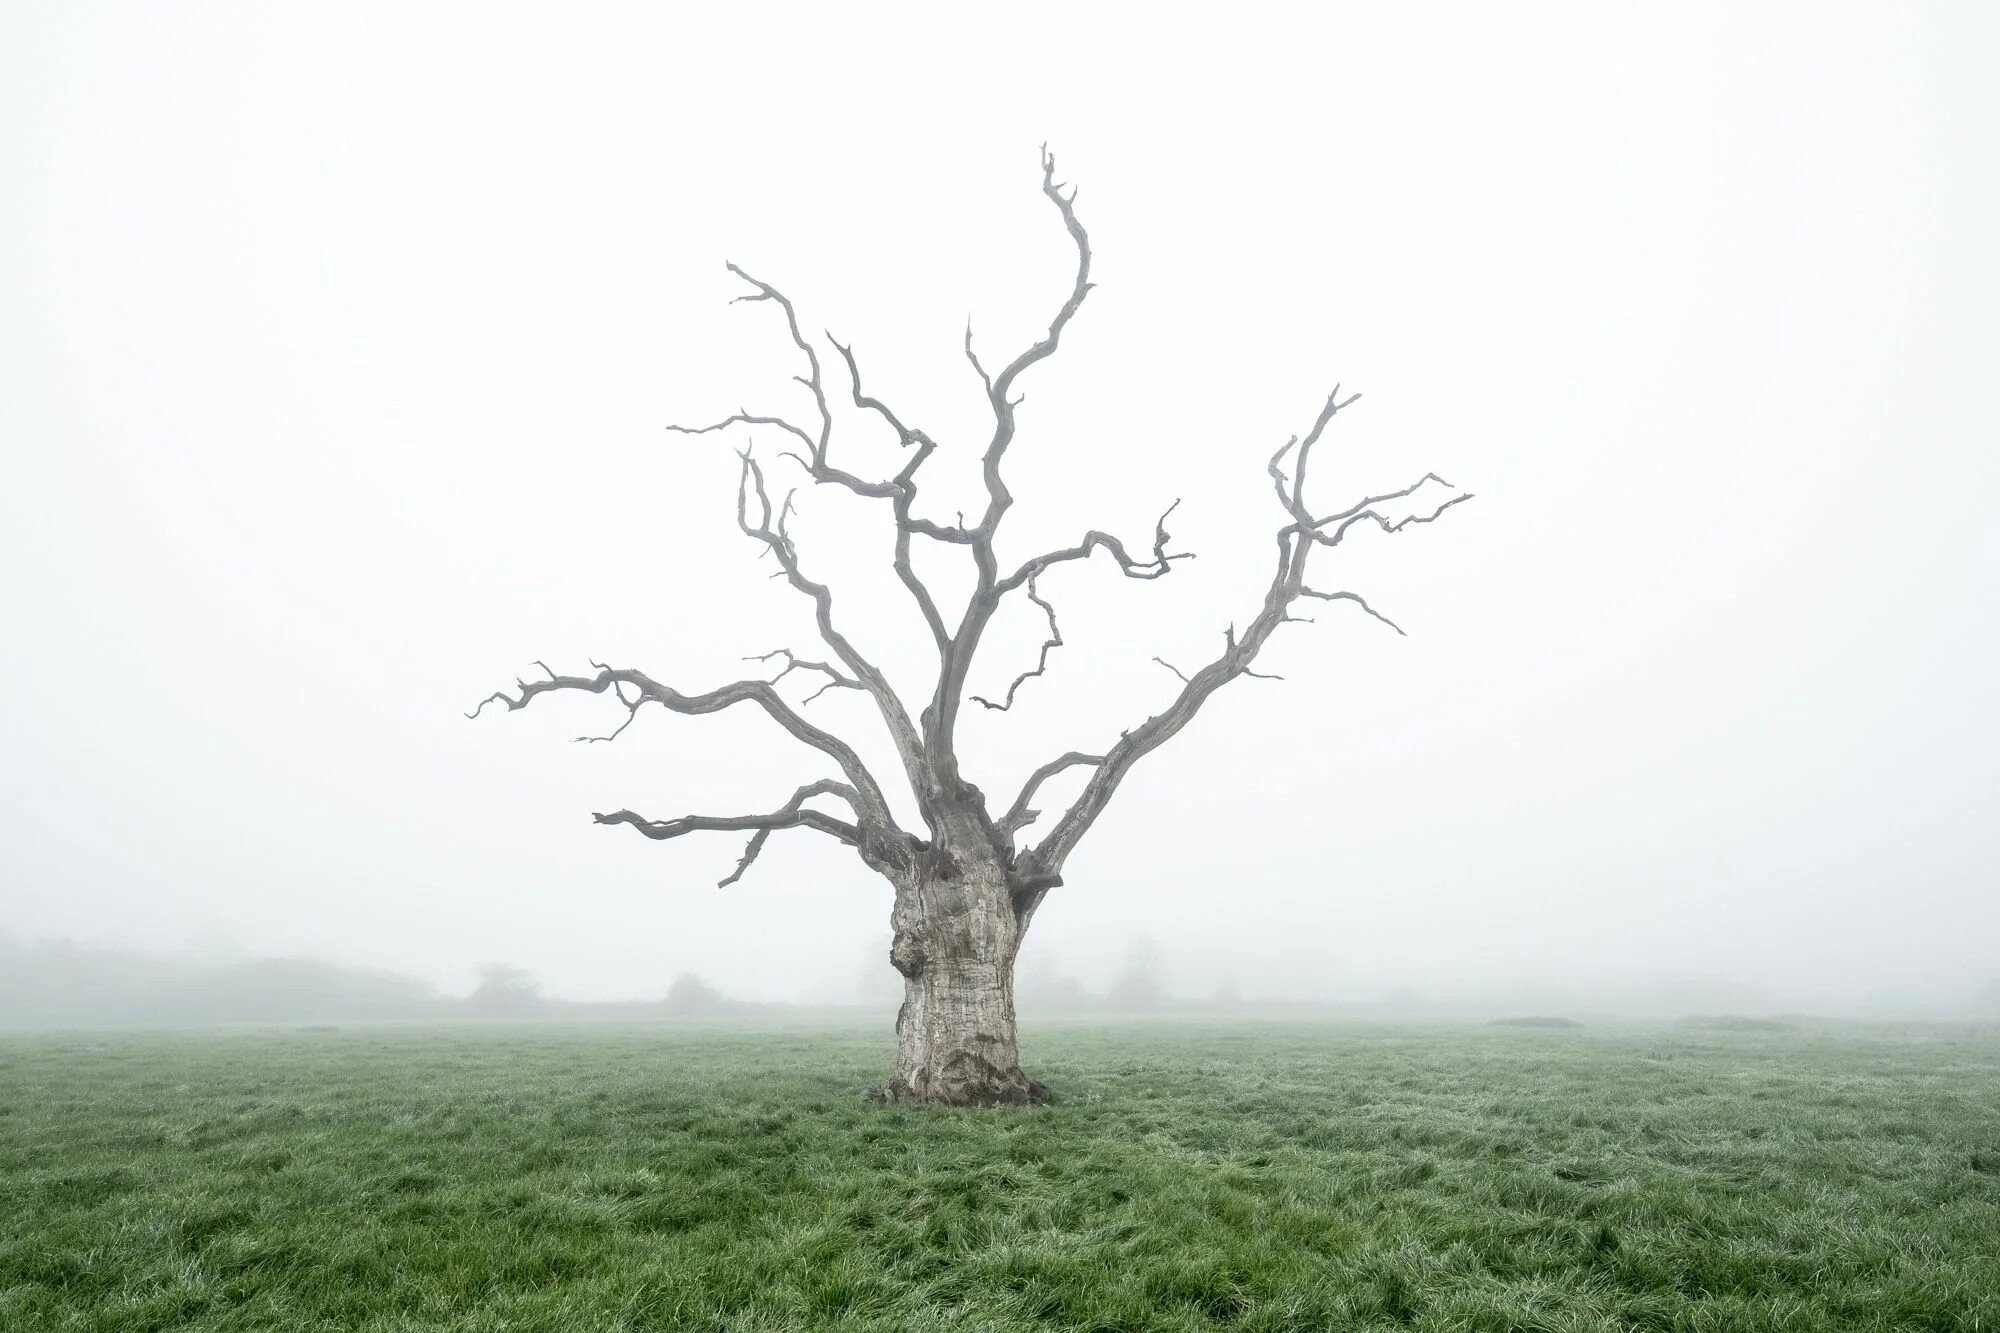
(793, 662)
(769, 524)
(1296, 541)
(1094, 540)
(792, 814)
(868, 799)
(1021, 814)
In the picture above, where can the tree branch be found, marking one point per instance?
(999, 388)
(900, 490)
(793, 662)
(1355, 598)
(1369, 514)
(941, 717)
(905, 483)
(1049, 645)
(770, 528)
(1019, 816)
(742, 418)
(1296, 541)
(816, 461)
(972, 356)
(1094, 540)
(792, 814)
(868, 798)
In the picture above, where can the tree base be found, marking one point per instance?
(1020, 1090)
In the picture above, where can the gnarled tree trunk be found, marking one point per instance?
(958, 925)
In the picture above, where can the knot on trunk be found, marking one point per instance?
(906, 953)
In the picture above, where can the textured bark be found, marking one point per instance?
(957, 933)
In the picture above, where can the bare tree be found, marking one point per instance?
(968, 886)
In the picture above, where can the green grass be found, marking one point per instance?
(1250, 1177)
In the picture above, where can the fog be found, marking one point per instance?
(339, 343)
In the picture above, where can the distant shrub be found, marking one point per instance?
(504, 989)
(1536, 1021)
(691, 995)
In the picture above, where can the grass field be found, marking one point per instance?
(1251, 1177)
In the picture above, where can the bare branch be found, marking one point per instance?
(1049, 645)
(1094, 540)
(815, 461)
(632, 707)
(1019, 816)
(835, 679)
(999, 388)
(905, 484)
(905, 435)
(1295, 541)
(869, 800)
(973, 357)
(960, 646)
(1369, 515)
(741, 418)
(1291, 491)
(773, 533)
(1355, 598)
(792, 814)
(756, 517)
(766, 292)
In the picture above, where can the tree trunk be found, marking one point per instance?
(956, 937)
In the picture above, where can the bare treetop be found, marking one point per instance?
(961, 840)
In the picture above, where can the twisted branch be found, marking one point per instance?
(869, 801)
(1049, 645)
(792, 814)
(1000, 387)
(1094, 540)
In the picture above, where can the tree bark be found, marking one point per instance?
(957, 933)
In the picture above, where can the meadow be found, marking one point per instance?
(1247, 1176)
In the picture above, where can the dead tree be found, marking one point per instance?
(966, 886)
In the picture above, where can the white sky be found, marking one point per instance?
(338, 341)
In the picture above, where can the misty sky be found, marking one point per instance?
(338, 342)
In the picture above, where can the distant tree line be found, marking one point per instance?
(64, 984)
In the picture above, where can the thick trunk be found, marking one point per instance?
(956, 936)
